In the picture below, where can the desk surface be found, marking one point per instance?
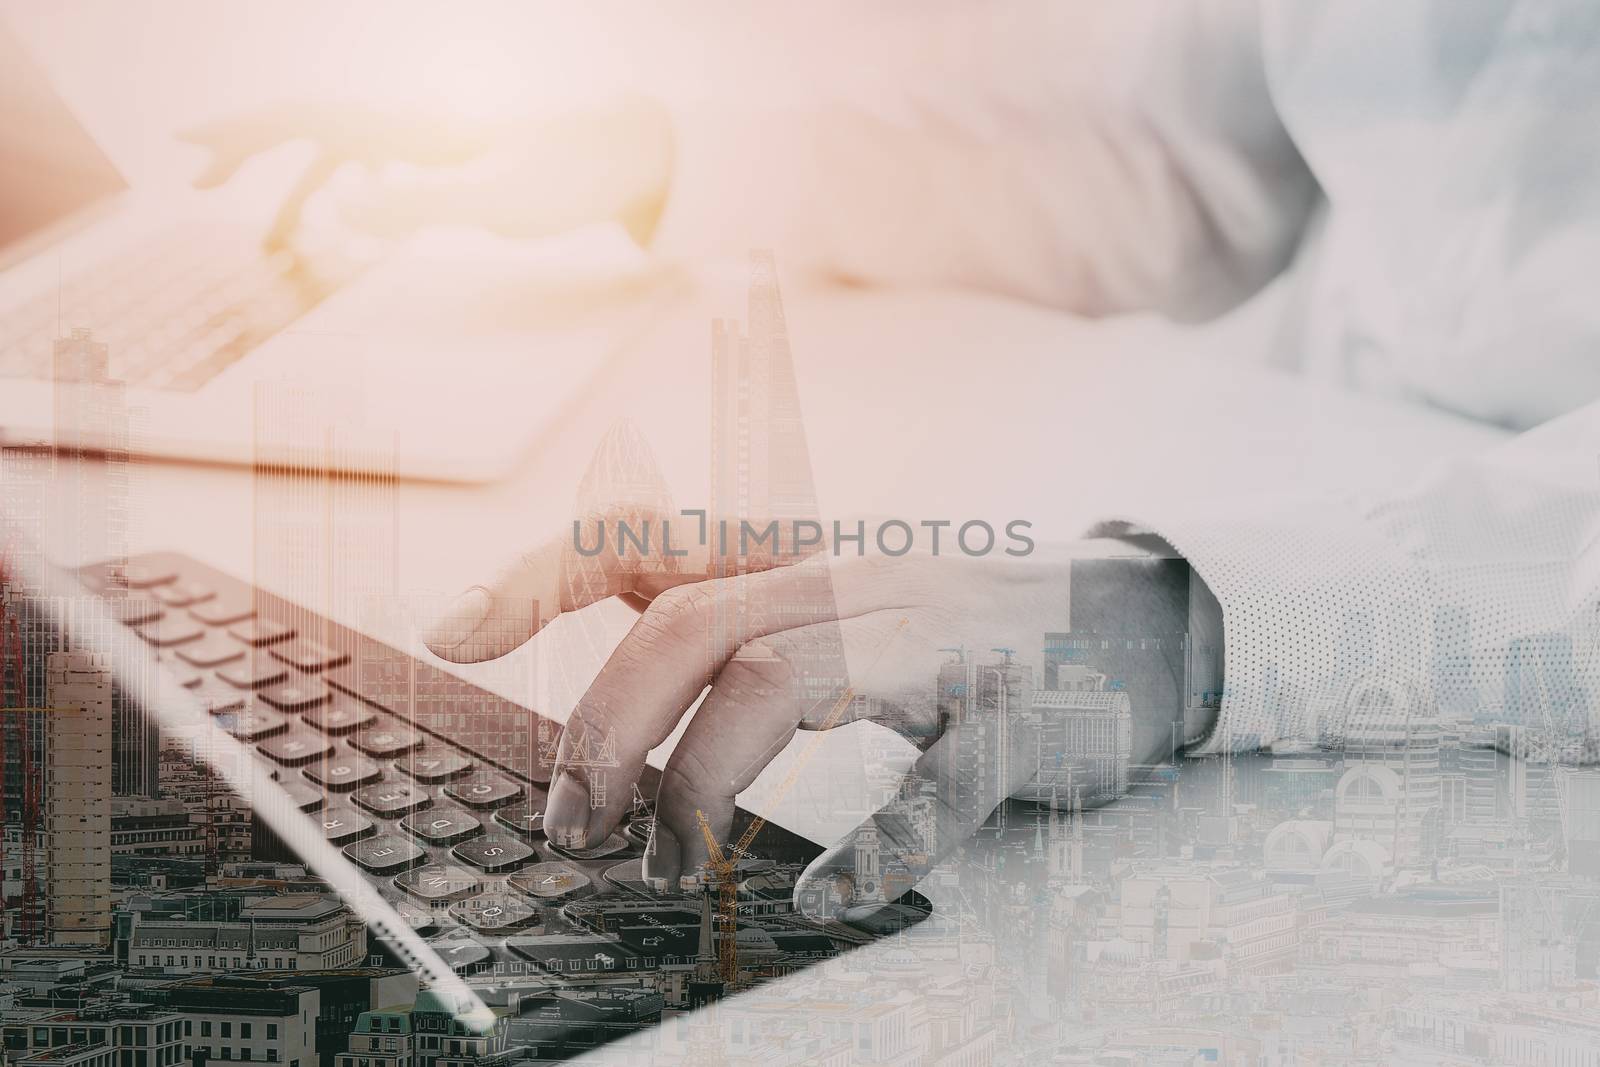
(917, 404)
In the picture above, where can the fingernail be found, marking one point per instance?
(663, 858)
(566, 819)
(460, 620)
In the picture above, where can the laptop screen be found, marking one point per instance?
(49, 165)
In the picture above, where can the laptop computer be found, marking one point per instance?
(417, 798)
(459, 346)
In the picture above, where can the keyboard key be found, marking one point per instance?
(550, 881)
(493, 913)
(252, 724)
(386, 741)
(220, 611)
(462, 955)
(342, 826)
(343, 771)
(141, 575)
(438, 883)
(385, 852)
(493, 852)
(171, 630)
(433, 765)
(130, 611)
(391, 799)
(343, 678)
(182, 594)
(422, 920)
(484, 792)
(213, 650)
(123, 574)
(296, 748)
(609, 847)
(253, 672)
(307, 797)
(260, 631)
(182, 674)
(308, 656)
(296, 694)
(442, 826)
(339, 716)
(525, 819)
(218, 700)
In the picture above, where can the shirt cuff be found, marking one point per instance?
(1320, 610)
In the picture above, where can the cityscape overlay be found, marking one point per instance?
(1422, 885)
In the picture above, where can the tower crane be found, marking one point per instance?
(724, 868)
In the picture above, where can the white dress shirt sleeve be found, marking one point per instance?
(1473, 596)
(1174, 189)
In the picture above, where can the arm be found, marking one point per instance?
(1183, 193)
(1474, 595)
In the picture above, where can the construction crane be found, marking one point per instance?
(725, 869)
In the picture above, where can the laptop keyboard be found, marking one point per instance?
(176, 312)
(450, 832)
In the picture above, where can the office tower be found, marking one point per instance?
(984, 703)
(1453, 687)
(760, 462)
(78, 799)
(325, 515)
(1543, 693)
(1578, 790)
(760, 473)
(1300, 781)
(622, 489)
(91, 417)
(1085, 738)
(1389, 724)
(1488, 768)
(1141, 647)
(89, 515)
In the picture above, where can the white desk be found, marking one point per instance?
(918, 405)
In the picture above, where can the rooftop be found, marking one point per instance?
(386, 1021)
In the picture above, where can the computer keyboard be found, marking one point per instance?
(179, 310)
(432, 786)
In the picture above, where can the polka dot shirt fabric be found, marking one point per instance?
(1472, 597)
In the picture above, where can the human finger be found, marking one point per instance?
(963, 777)
(678, 646)
(814, 678)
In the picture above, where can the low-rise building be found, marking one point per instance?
(133, 1035)
(141, 826)
(293, 931)
(248, 1024)
(381, 1039)
(444, 1038)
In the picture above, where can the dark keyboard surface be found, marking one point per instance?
(450, 831)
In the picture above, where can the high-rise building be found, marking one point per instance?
(1578, 789)
(984, 702)
(1544, 693)
(78, 798)
(1143, 650)
(1389, 723)
(760, 474)
(760, 461)
(1085, 741)
(88, 515)
(1453, 686)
